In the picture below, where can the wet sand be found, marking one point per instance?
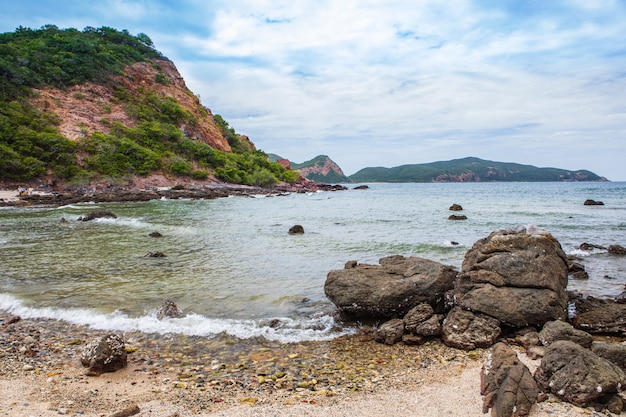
(41, 375)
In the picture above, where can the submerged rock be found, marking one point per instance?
(590, 202)
(97, 214)
(168, 310)
(296, 230)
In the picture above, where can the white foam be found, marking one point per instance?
(289, 331)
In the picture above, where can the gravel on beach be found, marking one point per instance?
(177, 376)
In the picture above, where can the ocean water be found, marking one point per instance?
(232, 267)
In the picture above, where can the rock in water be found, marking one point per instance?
(517, 276)
(296, 230)
(391, 289)
(168, 309)
(97, 214)
(506, 383)
(106, 354)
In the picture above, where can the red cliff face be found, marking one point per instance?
(87, 108)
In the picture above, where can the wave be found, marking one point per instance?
(283, 330)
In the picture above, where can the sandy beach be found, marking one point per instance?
(168, 376)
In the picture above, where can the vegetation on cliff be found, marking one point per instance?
(470, 170)
(153, 136)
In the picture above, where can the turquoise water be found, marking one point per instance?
(232, 267)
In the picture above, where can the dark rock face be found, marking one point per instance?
(590, 202)
(559, 330)
(106, 354)
(457, 217)
(617, 250)
(168, 310)
(605, 317)
(612, 352)
(97, 214)
(390, 332)
(577, 375)
(296, 230)
(517, 276)
(506, 383)
(390, 289)
(466, 330)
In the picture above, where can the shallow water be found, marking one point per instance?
(232, 267)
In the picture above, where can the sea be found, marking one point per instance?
(233, 269)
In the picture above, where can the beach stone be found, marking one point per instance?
(168, 310)
(104, 354)
(390, 332)
(507, 385)
(577, 375)
(467, 330)
(430, 327)
(612, 352)
(296, 230)
(97, 214)
(560, 330)
(391, 289)
(517, 276)
(416, 316)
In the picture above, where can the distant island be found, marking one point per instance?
(470, 169)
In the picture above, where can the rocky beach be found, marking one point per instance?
(436, 342)
(41, 375)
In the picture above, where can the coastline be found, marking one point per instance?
(175, 375)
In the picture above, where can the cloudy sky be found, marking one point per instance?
(387, 83)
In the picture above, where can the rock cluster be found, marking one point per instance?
(512, 281)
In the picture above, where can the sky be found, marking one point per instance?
(393, 82)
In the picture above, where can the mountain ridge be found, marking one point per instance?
(471, 169)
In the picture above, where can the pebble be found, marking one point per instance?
(28, 368)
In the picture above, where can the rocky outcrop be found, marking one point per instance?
(322, 169)
(391, 289)
(87, 108)
(590, 202)
(507, 385)
(577, 375)
(517, 276)
(105, 354)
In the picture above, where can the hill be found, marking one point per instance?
(319, 169)
(470, 170)
(102, 105)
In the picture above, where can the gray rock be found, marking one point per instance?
(168, 310)
(517, 276)
(606, 317)
(391, 289)
(105, 354)
(296, 230)
(506, 383)
(577, 375)
(560, 330)
(390, 332)
(612, 352)
(416, 316)
(467, 330)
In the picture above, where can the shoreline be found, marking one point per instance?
(176, 375)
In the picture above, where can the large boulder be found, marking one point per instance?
(105, 354)
(612, 352)
(577, 375)
(506, 383)
(517, 276)
(391, 289)
(466, 330)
